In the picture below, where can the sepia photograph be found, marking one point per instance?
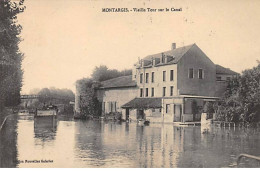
(129, 84)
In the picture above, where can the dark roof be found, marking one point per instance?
(144, 103)
(177, 54)
(124, 81)
(223, 70)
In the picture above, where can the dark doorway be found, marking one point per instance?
(140, 114)
(127, 113)
(177, 113)
(194, 108)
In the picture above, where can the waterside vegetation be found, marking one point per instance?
(241, 101)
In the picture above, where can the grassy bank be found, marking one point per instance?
(8, 139)
(5, 112)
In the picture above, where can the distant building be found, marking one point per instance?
(171, 86)
(223, 75)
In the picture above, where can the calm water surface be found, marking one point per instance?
(71, 143)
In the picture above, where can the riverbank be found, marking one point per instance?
(8, 140)
(5, 112)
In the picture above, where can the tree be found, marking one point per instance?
(10, 55)
(86, 87)
(54, 95)
(89, 104)
(249, 94)
(102, 73)
(242, 98)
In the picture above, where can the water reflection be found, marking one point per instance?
(89, 143)
(45, 128)
(109, 144)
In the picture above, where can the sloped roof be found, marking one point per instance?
(124, 81)
(144, 103)
(176, 53)
(223, 70)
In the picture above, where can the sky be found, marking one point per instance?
(63, 40)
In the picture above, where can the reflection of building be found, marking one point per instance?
(172, 86)
(89, 143)
(160, 145)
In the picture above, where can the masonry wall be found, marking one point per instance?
(116, 96)
(158, 83)
(152, 115)
(196, 59)
(170, 115)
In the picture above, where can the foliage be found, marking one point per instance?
(242, 98)
(89, 104)
(55, 96)
(10, 56)
(209, 109)
(102, 73)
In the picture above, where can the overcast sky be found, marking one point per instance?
(65, 39)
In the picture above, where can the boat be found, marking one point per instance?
(143, 122)
(23, 112)
(50, 110)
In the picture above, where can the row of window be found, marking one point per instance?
(219, 78)
(190, 75)
(152, 77)
(111, 106)
(200, 73)
(152, 92)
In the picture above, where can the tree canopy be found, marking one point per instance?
(102, 73)
(10, 55)
(89, 104)
(47, 95)
(242, 98)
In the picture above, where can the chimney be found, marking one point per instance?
(142, 61)
(163, 58)
(153, 61)
(173, 46)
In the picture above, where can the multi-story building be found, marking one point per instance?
(175, 85)
(171, 86)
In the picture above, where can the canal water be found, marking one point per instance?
(26, 142)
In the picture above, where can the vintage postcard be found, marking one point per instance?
(129, 84)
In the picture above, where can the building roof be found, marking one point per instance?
(177, 54)
(144, 103)
(124, 81)
(225, 71)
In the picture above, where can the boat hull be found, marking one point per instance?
(44, 113)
